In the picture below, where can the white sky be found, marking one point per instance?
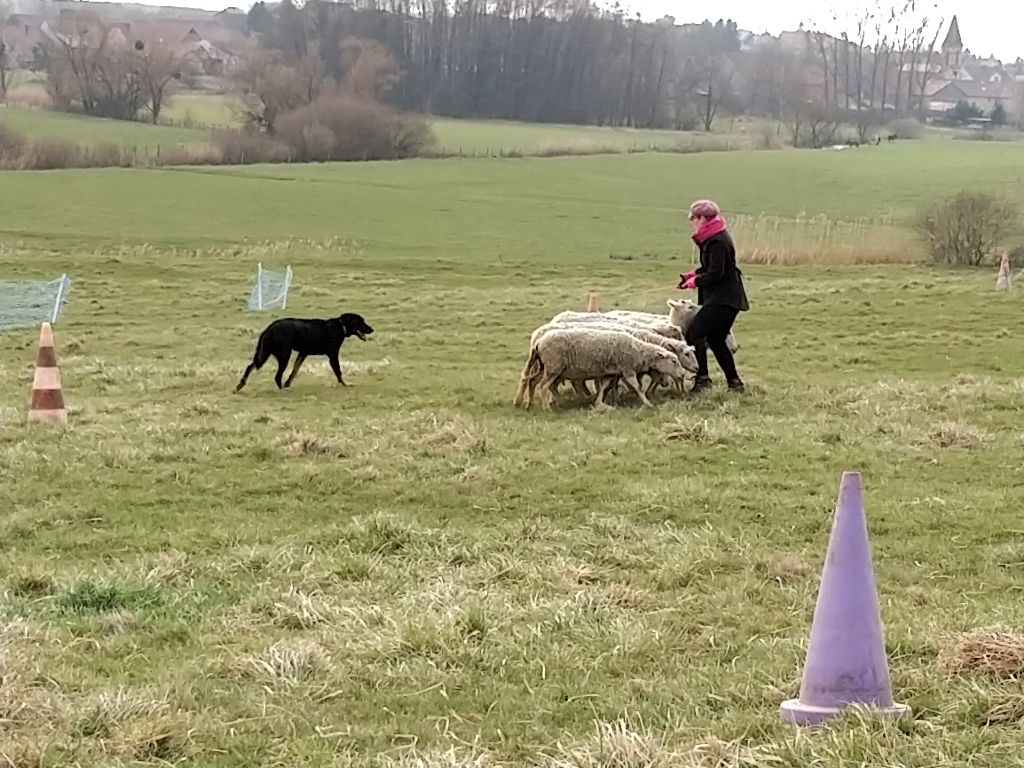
(987, 26)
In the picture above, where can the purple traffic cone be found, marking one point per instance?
(846, 661)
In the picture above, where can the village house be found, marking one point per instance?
(960, 77)
(211, 44)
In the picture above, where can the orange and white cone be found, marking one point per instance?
(592, 302)
(47, 394)
(1003, 281)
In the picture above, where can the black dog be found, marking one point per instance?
(307, 337)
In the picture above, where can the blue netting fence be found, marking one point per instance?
(31, 302)
(270, 291)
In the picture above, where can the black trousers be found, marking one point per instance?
(709, 328)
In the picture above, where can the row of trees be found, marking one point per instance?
(570, 61)
(554, 61)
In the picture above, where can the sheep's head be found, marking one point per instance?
(688, 358)
(681, 312)
(669, 365)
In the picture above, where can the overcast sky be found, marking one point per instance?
(988, 26)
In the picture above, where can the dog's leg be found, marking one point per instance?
(282, 363)
(299, 360)
(336, 367)
(245, 376)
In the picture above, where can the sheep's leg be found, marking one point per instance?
(524, 384)
(548, 390)
(531, 390)
(634, 384)
(611, 387)
(553, 390)
(581, 389)
(652, 382)
(602, 387)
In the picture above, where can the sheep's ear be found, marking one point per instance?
(673, 303)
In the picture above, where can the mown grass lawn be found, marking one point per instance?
(411, 569)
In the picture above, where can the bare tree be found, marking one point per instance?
(93, 70)
(268, 88)
(159, 64)
(5, 69)
(923, 59)
(370, 69)
(715, 87)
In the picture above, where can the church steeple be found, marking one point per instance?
(953, 45)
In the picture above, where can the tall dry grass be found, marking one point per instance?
(766, 239)
(30, 95)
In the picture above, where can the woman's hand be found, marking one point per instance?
(688, 281)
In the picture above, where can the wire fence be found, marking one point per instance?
(270, 291)
(30, 302)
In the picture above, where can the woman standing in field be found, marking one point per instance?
(720, 294)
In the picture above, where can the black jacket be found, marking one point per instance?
(719, 280)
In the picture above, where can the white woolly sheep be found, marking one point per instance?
(580, 354)
(681, 349)
(681, 314)
(659, 324)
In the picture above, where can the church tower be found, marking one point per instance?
(953, 46)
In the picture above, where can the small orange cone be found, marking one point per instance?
(592, 302)
(1003, 281)
(47, 394)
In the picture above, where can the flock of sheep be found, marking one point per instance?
(608, 348)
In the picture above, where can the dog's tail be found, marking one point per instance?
(531, 375)
(261, 355)
(258, 359)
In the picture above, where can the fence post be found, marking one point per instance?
(259, 285)
(60, 295)
(287, 285)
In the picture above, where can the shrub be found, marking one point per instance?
(966, 228)
(12, 147)
(107, 155)
(906, 128)
(245, 147)
(49, 154)
(185, 154)
(341, 127)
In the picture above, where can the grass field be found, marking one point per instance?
(411, 572)
(191, 116)
(89, 131)
(512, 210)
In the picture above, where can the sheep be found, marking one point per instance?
(681, 313)
(673, 325)
(580, 353)
(681, 349)
(659, 324)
